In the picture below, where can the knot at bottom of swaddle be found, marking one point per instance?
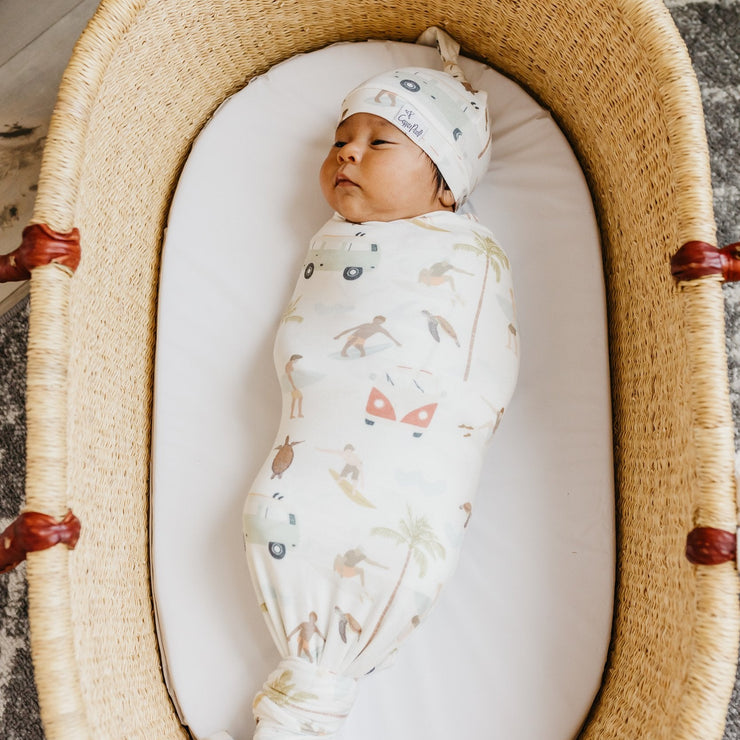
(300, 699)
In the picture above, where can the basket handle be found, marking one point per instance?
(40, 245)
(695, 260)
(711, 546)
(32, 532)
(698, 259)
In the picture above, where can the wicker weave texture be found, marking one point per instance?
(144, 79)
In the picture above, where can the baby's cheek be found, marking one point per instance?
(326, 176)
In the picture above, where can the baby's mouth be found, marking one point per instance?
(341, 180)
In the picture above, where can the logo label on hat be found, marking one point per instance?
(411, 122)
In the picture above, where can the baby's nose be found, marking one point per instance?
(350, 152)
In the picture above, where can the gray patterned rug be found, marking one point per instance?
(712, 33)
(19, 718)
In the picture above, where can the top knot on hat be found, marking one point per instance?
(438, 110)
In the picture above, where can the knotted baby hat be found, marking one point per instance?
(438, 110)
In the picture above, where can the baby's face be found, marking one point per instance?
(374, 172)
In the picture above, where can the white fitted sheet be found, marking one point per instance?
(516, 646)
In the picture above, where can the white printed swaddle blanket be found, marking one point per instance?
(397, 355)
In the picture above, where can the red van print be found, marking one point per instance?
(406, 389)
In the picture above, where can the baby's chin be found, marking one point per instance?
(357, 215)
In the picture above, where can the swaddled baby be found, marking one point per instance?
(397, 356)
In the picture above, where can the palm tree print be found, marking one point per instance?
(416, 534)
(282, 691)
(496, 258)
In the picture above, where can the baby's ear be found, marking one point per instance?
(447, 199)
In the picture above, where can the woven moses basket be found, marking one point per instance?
(143, 80)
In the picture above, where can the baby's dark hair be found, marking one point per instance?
(439, 182)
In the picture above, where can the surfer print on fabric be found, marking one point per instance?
(296, 396)
(358, 335)
(350, 479)
(487, 428)
(348, 565)
(297, 375)
(439, 274)
(306, 631)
